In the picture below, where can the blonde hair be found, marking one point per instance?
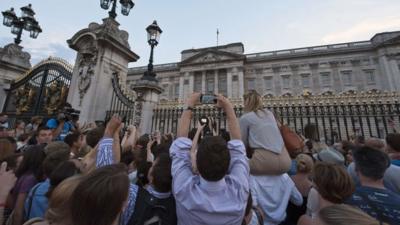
(58, 210)
(252, 101)
(304, 163)
(341, 214)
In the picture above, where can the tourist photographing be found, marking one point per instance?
(218, 194)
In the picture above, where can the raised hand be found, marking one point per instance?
(193, 100)
(112, 126)
(223, 102)
(7, 180)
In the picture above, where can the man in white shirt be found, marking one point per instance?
(272, 194)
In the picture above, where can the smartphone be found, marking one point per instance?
(208, 99)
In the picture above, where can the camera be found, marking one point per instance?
(204, 121)
(69, 114)
(208, 99)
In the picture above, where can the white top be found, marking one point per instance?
(312, 203)
(272, 194)
(260, 131)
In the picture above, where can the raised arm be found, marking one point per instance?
(149, 154)
(239, 167)
(105, 154)
(233, 123)
(193, 150)
(184, 122)
(116, 147)
(130, 139)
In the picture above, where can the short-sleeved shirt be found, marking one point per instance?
(23, 185)
(381, 204)
(36, 203)
(53, 124)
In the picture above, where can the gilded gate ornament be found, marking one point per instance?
(24, 99)
(56, 94)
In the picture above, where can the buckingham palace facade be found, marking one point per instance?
(337, 68)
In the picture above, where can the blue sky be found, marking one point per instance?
(261, 25)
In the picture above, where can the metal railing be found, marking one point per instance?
(334, 121)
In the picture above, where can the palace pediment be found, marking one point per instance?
(212, 56)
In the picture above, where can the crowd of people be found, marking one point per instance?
(58, 172)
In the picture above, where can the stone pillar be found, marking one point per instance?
(315, 78)
(386, 78)
(148, 97)
(394, 67)
(277, 80)
(103, 50)
(13, 63)
(241, 82)
(229, 83)
(336, 77)
(191, 82)
(203, 82)
(296, 80)
(358, 77)
(216, 81)
(391, 70)
(181, 88)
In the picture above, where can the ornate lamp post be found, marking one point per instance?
(26, 22)
(153, 37)
(126, 6)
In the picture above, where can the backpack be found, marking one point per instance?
(150, 210)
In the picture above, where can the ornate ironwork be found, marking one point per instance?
(338, 117)
(40, 91)
(123, 102)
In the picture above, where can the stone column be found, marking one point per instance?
(337, 81)
(297, 86)
(181, 88)
(277, 80)
(396, 73)
(315, 78)
(241, 82)
(358, 79)
(386, 78)
(103, 50)
(191, 82)
(229, 83)
(148, 97)
(203, 82)
(216, 81)
(13, 63)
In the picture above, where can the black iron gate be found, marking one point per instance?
(42, 91)
(123, 102)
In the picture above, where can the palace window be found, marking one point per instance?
(370, 76)
(198, 81)
(222, 82)
(306, 80)
(251, 84)
(268, 83)
(286, 82)
(347, 78)
(210, 82)
(326, 79)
